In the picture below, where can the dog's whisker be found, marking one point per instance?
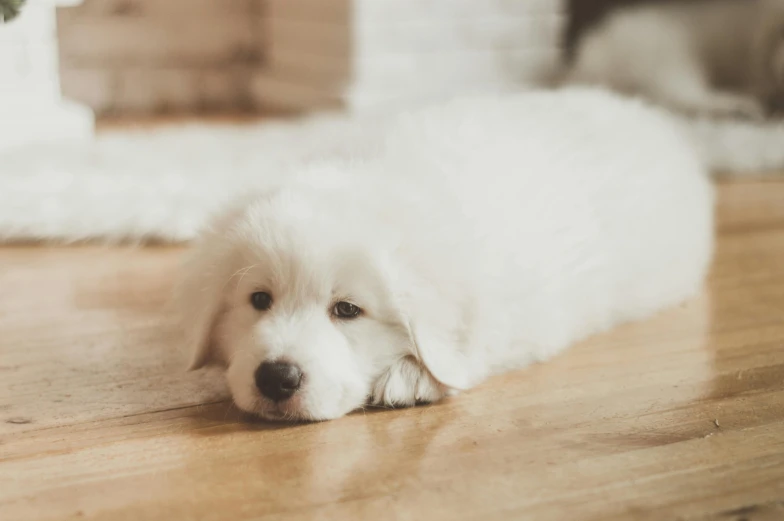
(243, 272)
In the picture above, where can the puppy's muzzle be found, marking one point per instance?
(278, 381)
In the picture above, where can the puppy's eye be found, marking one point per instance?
(261, 300)
(346, 310)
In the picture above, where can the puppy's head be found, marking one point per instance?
(294, 297)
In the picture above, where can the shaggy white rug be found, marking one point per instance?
(161, 185)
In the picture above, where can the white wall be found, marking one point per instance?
(366, 53)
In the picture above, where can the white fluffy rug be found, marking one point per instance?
(161, 185)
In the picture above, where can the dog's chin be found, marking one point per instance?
(288, 411)
(292, 410)
(284, 413)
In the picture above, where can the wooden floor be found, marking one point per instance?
(680, 417)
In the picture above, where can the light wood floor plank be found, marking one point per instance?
(677, 417)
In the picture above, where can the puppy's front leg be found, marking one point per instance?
(405, 384)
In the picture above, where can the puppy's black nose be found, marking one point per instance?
(278, 380)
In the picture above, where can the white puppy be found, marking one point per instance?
(484, 234)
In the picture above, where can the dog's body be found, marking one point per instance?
(484, 235)
(708, 58)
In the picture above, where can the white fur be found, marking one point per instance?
(481, 236)
(162, 185)
(737, 149)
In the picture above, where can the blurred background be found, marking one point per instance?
(143, 57)
(132, 56)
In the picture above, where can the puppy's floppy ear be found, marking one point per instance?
(199, 294)
(437, 354)
(442, 337)
(444, 353)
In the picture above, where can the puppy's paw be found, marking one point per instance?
(405, 384)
